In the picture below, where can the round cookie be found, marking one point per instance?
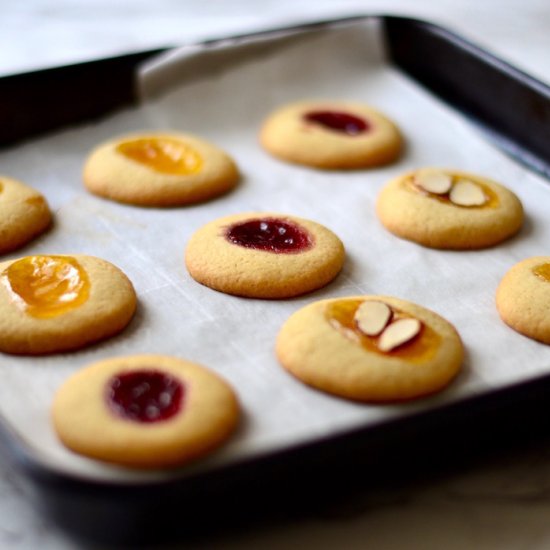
(331, 135)
(448, 209)
(159, 169)
(370, 348)
(59, 303)
(523, 298)
(24, 214)
(264, 255)
(144, 411)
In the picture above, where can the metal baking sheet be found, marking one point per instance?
(223, 93)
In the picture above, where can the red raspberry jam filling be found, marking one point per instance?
(145, 395)
(271, 235)
(338, 121)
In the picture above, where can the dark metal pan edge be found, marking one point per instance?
(511, 106)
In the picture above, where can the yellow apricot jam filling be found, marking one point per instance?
(47, 286)
(166, 155)
(542, 271)
(340, 314)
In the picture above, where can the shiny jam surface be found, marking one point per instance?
(47, 286)
(146, 395)
(1, 187)
(492, 198)
(340, 315)
(270, 234)
(542, 271)
(169, 156)
(338, 121)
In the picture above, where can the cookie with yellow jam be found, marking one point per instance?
(523, 298)
(449, 209)
(370, 348)
(24, 214)
(59, 303)
(264, 255)
(159, 169)
(145, 411)
(331, 135)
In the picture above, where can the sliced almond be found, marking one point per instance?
(372, 317)
(467, 193)
(433, 181)
(399, 333)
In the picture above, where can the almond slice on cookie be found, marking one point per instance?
(398, 333)
(467, 193)
(433, 181)
(372, 317)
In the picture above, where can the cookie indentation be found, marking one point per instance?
(542, 271)
(165, 155)
(338, 121)
(418, 345)
(145, 395)
(458, 191)
(47, 286)
(37, 200)
(271, 235)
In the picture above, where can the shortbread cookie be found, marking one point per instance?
(370, 348)
(144, 411)
(24, 214)
(59, 303)
(331, 135)
(264, 255)
(523, 298)
(159, 169)
(449, 209)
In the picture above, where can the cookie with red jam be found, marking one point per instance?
(449, 209)
(24, 214)
(59, 303)
(159, 169)
(331, 135)
(370, 348)
(264, 255)
(144, 411)
(523, 298)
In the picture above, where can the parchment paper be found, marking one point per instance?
(223, 94)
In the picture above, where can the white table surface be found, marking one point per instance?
(502, 504)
